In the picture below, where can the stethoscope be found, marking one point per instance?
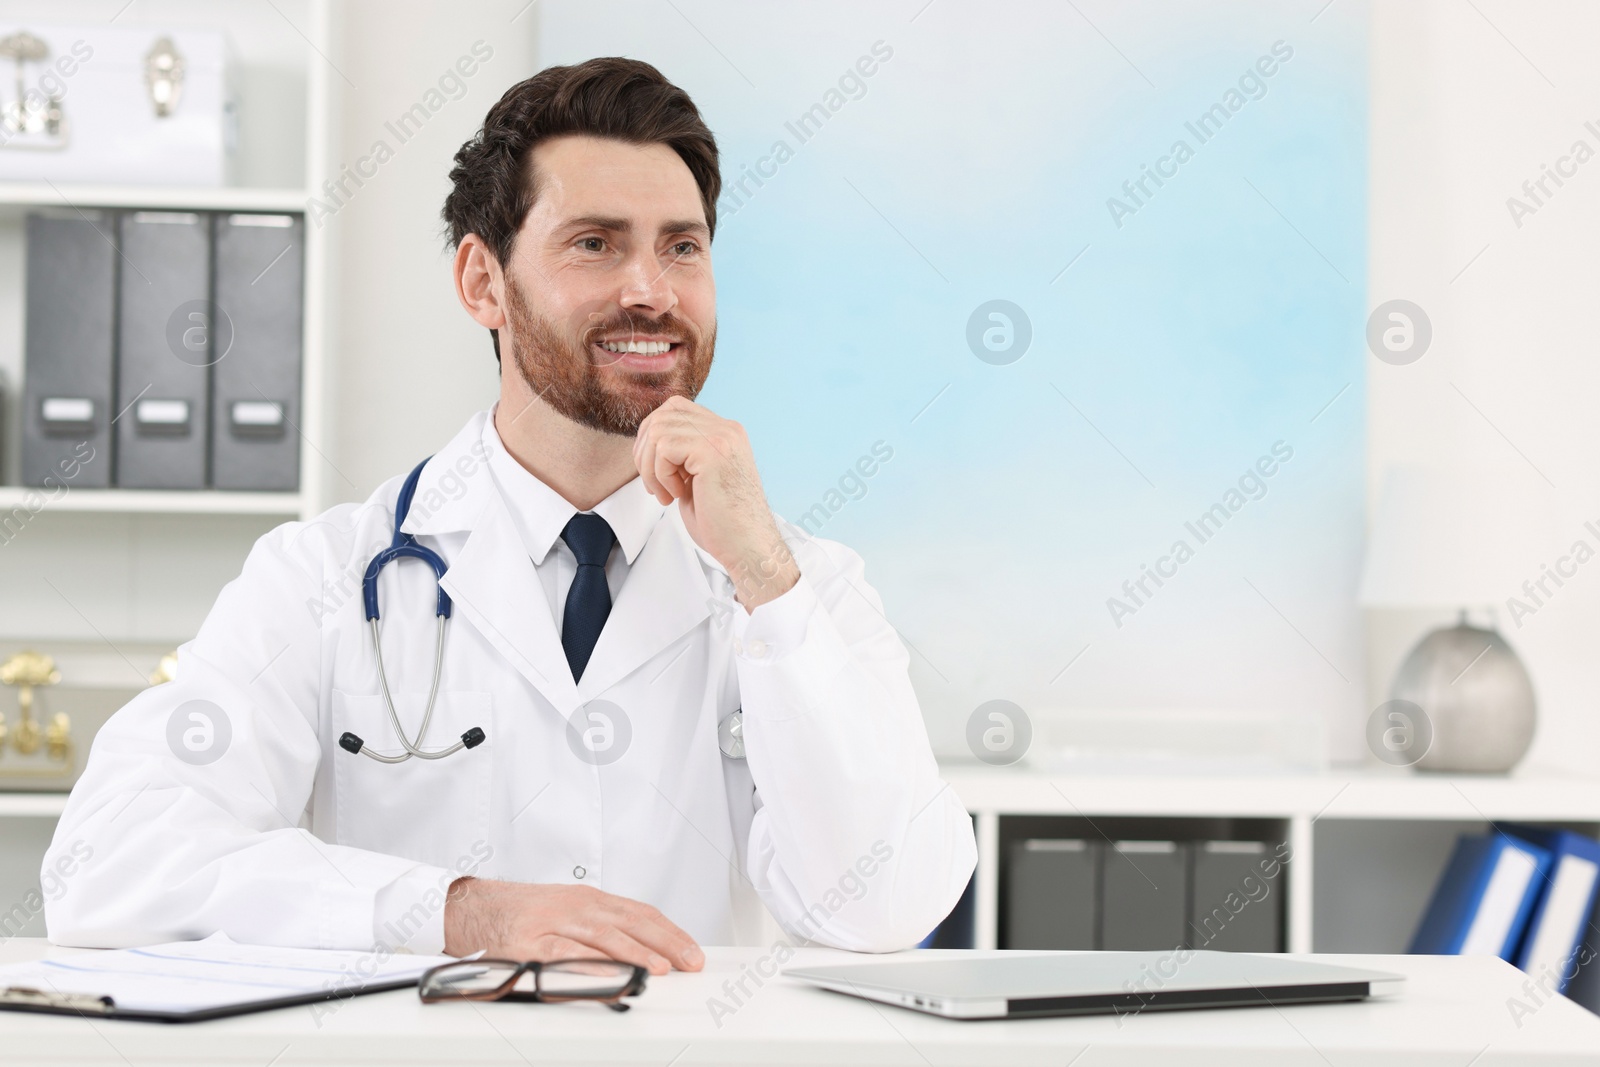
(730, 734)
(404, 546)
(730, 731)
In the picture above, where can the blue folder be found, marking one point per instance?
(1484, 897)
(1561, 915)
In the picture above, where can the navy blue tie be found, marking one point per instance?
(589, 599)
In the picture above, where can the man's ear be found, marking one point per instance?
(480, 283)
(480, 286)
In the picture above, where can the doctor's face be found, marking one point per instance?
(610, 302)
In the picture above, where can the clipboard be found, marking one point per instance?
(88, 1005)
(193, 981)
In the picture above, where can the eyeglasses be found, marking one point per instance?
(606, 981)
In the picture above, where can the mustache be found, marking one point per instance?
(628, 323)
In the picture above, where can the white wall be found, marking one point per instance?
(408, 366)
(1467, 102)
(1463, 111)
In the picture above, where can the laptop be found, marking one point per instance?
(1028, 984)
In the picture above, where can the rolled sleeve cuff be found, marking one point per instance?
(408, 913)
(778, 627)
(788, 653)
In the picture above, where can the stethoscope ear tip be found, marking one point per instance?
(471, 739)
(350, 742)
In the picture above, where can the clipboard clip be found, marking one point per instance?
(38, 998)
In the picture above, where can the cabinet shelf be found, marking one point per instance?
(157, 501)
(39, 805)
(16, 197)
(1531, 794)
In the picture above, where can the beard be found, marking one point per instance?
(564, 370)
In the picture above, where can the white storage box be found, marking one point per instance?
(114, 105)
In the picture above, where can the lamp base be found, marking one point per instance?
(1477, 696)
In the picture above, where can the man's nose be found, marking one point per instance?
(645, 286)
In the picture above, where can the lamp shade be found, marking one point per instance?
(1453, 539)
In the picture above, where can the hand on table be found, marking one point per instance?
(520, 921)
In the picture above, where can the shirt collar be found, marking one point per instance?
(540, 513)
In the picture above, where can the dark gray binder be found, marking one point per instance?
(256, 409)
(1052, 894)
(1235, 908)
(1144, 896)
(164, 350)
(69, 318)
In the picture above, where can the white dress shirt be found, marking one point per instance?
(540, 514)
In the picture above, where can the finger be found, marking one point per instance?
(689, 450)
(641, 435)
(663, 417)
(646, 462)
(677, 404)
(548, 948)
(582, 942)
(670, 470)
(601, 934)
(643, 443)
(552, 948)
(648, 926)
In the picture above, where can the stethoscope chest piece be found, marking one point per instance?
(730, 734)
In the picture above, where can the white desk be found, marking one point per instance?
(1452, 1013)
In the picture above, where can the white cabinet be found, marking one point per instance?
(1365, 846)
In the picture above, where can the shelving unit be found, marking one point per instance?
(132, 572)
(1303, 803)
(260, 41)
(128, 538)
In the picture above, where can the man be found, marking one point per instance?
(621, 602)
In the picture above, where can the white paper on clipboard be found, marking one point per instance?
(217, 972)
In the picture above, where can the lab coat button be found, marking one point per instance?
(578, 872)
(757, 648)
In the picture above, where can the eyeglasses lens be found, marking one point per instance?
(470, 979)
(596, 979)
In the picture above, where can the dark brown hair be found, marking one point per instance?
(622, 99)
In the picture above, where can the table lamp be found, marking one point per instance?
(1465, 542)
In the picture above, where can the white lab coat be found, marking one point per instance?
(837, 822)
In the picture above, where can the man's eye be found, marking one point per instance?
(592, 244)
(685, 248)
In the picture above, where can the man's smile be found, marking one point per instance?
(639, 353)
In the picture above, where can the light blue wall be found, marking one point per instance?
(1217, 319)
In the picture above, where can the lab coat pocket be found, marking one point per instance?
(431, 811)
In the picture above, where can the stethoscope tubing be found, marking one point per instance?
(413, 748)
(730, 730)
(403, 545)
